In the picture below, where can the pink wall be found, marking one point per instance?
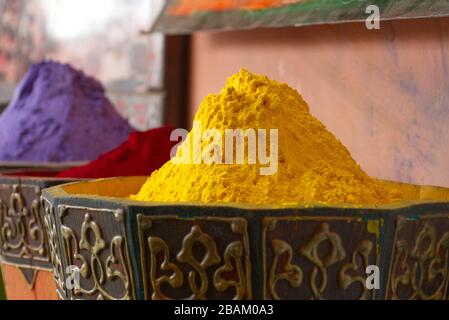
(384, 93)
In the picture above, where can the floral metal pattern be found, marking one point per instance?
(211, 260)
(54, 246)
(420, 264)
(22, 234)
(306, 258)
(100, 254)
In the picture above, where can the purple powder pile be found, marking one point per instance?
(59, 114)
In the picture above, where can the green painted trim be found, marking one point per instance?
(298, 14)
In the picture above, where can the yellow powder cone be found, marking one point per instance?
(313, 166)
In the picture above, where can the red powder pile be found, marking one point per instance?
(140, 155)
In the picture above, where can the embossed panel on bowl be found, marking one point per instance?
(94, 241)
(54, 247)
(22, 234)
(318, 257)
(198, 258)
(420, 260)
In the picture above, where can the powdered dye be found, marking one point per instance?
(59, 114)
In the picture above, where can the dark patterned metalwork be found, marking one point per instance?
(22, 235)
(94, 243)
(420, 259)
(317, 257)
(207, 258)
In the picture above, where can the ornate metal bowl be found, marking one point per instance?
(23, 239)
(123, 249)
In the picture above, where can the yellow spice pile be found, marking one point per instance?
(313, 165)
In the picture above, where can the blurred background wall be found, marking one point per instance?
(101, 37)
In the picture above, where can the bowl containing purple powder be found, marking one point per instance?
(58, 118)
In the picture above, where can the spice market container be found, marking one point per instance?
(24, 252)
(125, 249)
